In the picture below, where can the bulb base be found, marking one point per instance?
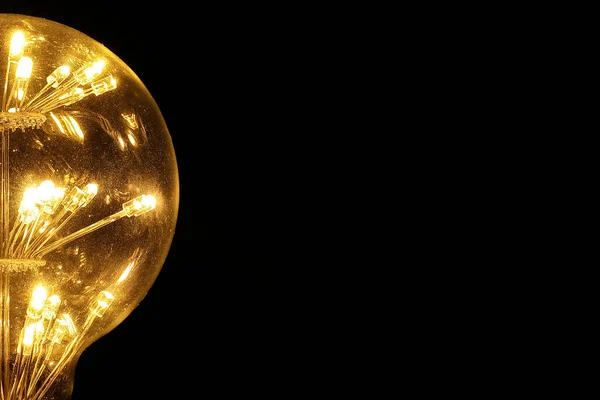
(20, 265)
(10, 122)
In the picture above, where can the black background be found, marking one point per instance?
(210, 327)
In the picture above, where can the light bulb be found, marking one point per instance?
(88, 201)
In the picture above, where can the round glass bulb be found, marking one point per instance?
(88, 200)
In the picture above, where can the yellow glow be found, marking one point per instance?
(149, 201)
(29, 200)
(53, 301)
(105, 299)
(125, 273)
(68, 323)
(91, 189)
(17, 43)
(63, 249)
(76, 127)
(39, 328)
(104, 85)
(108, 295)
(58, 76)
(140, 205)
(94, 70)
(45, 191)
(38, 298)
(98, 66)
(57, 123)
(131, 120)
(28, 335)
(131, 139)
(58, 193)
(24, 68)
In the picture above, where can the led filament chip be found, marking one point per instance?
(140, 205)
(103, 301)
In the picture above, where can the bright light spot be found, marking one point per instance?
(58, 193)
(45, 191)
(149, 202)
(64, 70)
(131, 120)
(76, 127)
(29, 199)
(24, 68)
(125, 273)
(131, 139)
(17, 43)
(38, 298)
(57, 122)
(28, 335)
(92, 189)
(54, 300)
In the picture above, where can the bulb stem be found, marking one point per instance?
(4, 99)
(5, 314)
(5, 193)
(76, 235)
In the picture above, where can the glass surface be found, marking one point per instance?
(89, 200)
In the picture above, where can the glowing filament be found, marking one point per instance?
(63, 326)
(17, 44)
(140, 205)
(28, 336)
(58, 76)
(90, 73)
(50, 307)
(45, 190)
(24, 68)
(28, 203)
(105, 299)
(104, 85)
(78, 198)
(37, 302)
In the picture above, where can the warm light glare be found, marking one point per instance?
(58, 76)
(38, 298)
(28, 335)
(76, 127)
(17, 43)
(45, 190)
(125, 273)
(60, 127)
(91, 189)
(24, 68)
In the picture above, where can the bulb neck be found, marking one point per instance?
(12, 121)
(60, 389)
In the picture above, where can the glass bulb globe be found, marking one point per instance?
(88, 201)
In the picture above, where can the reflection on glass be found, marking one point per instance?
(88, 201)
